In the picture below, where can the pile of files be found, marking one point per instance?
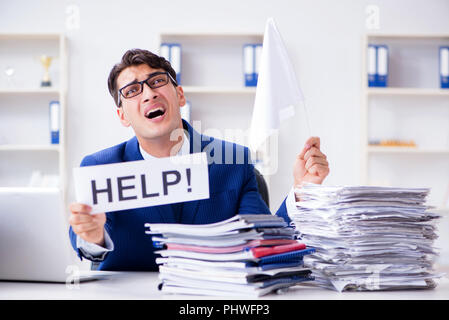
(367, 238)
(244, 256)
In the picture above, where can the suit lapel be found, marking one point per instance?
(190, 208)
(132, 152)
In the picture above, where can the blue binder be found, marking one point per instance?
(378, 65)
(285, 257)
(164, 51)
(444, 67)
(54, 111)
(281, 276)
(372, 65)
(249, 65)
(382, 66)
(172, 53)
(257, 59)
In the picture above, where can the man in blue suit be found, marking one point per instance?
(148, 99)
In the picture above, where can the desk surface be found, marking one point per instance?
(143, 285)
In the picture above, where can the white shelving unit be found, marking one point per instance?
(412, 107)
(25, 145)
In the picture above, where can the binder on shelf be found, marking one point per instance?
(172, 53)
(248, 65)
(186, 111)
(382, 66)
(377, 68)
(372, 65)
(258, 58)
(54, 121)
(444, 67)
(251, 60)
(175, 60)
(164, 51)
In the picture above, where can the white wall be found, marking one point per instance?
(323, 39)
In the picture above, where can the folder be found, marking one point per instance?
(229, 226)
(212, 288)
(264, 244)
(164, 51)
(250, 266)
(249, 65)
(277, 255)
(280, 277)
(175, 60)
(444, 67)
(285, 257)
(172, 53)
(232, 277)
(54, 121)
(382, 66)
(258, 59)
(372, 65)
(269, 251)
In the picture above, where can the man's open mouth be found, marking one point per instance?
(155, 113)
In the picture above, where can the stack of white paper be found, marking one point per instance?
(367, 238)
(246, 255)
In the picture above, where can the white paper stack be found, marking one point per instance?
(246, 256)
(367, 238)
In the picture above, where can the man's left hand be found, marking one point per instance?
(311, 164)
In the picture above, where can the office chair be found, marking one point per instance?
(261, 186)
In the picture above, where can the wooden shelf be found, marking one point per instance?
(25, 91)
(409, 150)
(30, 36)
(219, 90)
(24, 147)
(406, 92)
(407, 36)
(202, 35)
(30, 189)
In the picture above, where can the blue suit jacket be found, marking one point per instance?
(232, 188)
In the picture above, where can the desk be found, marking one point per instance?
(143, 285)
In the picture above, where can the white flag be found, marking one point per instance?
(277, 92)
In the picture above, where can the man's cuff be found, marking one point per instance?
(93, 251)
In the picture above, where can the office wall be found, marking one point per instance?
(323, 39)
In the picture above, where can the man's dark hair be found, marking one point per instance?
(135, 57)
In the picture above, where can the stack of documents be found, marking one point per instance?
(246, 255)
(367, 238)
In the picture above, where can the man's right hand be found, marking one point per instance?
(89, 227)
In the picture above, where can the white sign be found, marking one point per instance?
(142, 183)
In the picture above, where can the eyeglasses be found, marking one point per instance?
(154, 81)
